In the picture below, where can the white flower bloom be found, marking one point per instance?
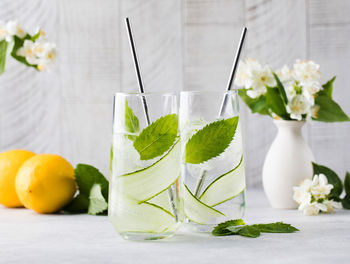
(330, 204)
(27, 51)
(4, 34)
(312, 88)
(252, 75)
(320, 188)
(298, 106)
(306, 72)
(13, 28)
(312, 208)
(46, 53)
(285, 74)
(301, 194)
(314, 111)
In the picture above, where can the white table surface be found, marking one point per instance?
(27, 237)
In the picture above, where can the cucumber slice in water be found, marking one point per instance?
(197, 211)
(130, 216)
(225, 187)
(147, 183)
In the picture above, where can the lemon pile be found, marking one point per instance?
(44, 183)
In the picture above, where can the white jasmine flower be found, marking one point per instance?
(312, 88)
(285, 74)
(314, 111)
(298, 106)
(300, 194)
(46, 53)
(306, 72)
(4, 34)
(27, 51)
(312, 208)
(330, 204)
(312, 196)
(252, 75)
(13, 28)
(320, 187)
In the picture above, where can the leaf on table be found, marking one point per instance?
(248, 231)
(87, 178)
(97, 203)
(278, 227)
(131, 122)
(221, 229)
(256, 105)
(329, 110)
(332, 178)
(78, 205)
(211, 141)
(157, 138)
(275, 102)
(238, 227)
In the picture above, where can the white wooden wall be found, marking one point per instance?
(182, 45)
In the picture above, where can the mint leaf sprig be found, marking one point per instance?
(211, 141)
(157, 138)
(93, 192)
(338, 186)
(238, 227)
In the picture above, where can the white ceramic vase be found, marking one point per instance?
(287, 163)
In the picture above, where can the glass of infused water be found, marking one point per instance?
(212, 167)
(144, 198)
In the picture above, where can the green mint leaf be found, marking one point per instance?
(248, 231)
(157, 138)
(256, 105)
(346, 202)
(275, 102)
(131, 122)
(18, 43)
(211, 141)
(79, 205)
(221, 229)
(278, 227)
(347, 183)
(328, 87)
(87, 177)
(281, 88)
(332, 178)
(329, 110)
(97, 203)
(3, 55)
(238, 227)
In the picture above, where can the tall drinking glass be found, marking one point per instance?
(212, 158)
(144, 201)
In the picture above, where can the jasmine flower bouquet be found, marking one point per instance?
(31, 50)
(289, 93)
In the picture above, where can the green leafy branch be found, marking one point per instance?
(275, 101)
(7, 48)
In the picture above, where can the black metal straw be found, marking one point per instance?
(144, 103)
(224, 101)
(137, 68)
(234, 69)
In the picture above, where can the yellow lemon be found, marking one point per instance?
(10, 162)
(45, 183)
